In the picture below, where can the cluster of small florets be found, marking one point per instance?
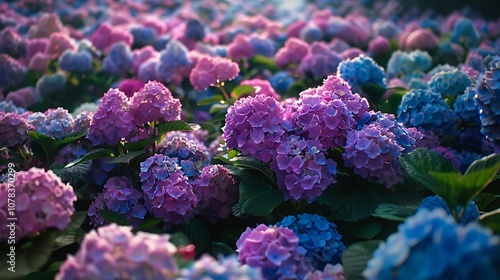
(291, 53)
(173, 59)
(466, 109)
(211, 71)
(318, 236)
(275, 250)
(320, 61)
(361, 71)
(114, 252)
(456, 251)
(402, 63)
(191, 154)
(76, 62)
(470, 214)
(207, 267)
(56, 123)
(14, 129)
(119, 60)
(449, 83)
(42, 202)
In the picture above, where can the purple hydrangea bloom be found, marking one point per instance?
(154, 102)
(253, 126)
(302, 169)
(427, 110)
(275, 250)
(119, 60)
(318, 236)
(42, 202)
(431, 245)
(261, 87)
(106, 36)
(24, 97)
(379, 45)
(212, 70)
(471, 213)
(361, 71)
(14, 129)
(194, 30)
(114, 252)
(112, 122)
(291, 53)
(167, 192)
(75, 62)
(12, 43)
(70, 152)
(315, 118)
(331, 272)
(13, 72)
(119, 196)
(217, 192)
(192, 155)
(82, 120)
(487, 98)
(262, 46)
(55, 123)
(40, 62)
(320, 61)
(223, 268)
(172, 59)
(240, 48)
(34, 46)
(311, 33)
(451, 83)
(422, 39)
(142, 36)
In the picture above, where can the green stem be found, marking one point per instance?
(226, 96)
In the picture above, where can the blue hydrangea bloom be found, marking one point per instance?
(55, 123)
(262, 46)
(143, 36)
(281, 81)
(471, 213)
(465, 33)
(466, 109)
(50, 84)
(172, 58)
(402, 63)
(360, 71)
(431, 245)
(488, 100)
(427, 110)
(8, 107)
(75, 62)
(311, 33)
(318, 236)
(119, 60)
(192, 154)
(194, 30)
(470, 138)
(450, 83)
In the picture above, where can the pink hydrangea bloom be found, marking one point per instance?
(34, 46)
(240, 48)
(58, 43)
(422, 39)
(106, 36)
(294, 50)
(23, 97)
(48, 24)
(14, 129)
(130, 86)
(212, 70)
(379, 45)
(40, 62)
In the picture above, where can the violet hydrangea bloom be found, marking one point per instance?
(212, 70)
(112, 122)
(466, 109)
(173, 59)
(55, 123)
(13, 71)
(253, 126)
(361, 71)
(42, 202)
(318, 236)
(119, 60)
(302, 169)
(82, 121)
(217, 192)
(12, 43)
(58, 43)
(240, 48)
(24, 97)
(9, 107)
(275, 250)
(320, 61)
(154, 102)
(119, 196)
(115, 252)
(167, 192)
(223, 268)
(192, 155)
(75, 62)
(471, 213)
(14, 129)
(431, 245)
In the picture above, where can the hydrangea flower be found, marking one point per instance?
(192, 155)
(320, 61)
(223, 268)
(427, 110)
(119, 196)
(217, 192)
(154, 102)
(142, 36)
(212, 70)
(261, 87)
(172, 60)
(58, 43)
(262, 46)
(253, 126)
(465, 33)
(75, 62)
(194, 30)
(487, 96)
(379, 45)
(114, 252)
(23, 97)
(40, 62)
(318, 236)
(471, 212)
(13, 71)
(465, 107)
(421, 39)
(50, 84)
(167, 192)
(106, 36)
(281, 81)
(55, 123)
(119, 60)
(12, 43)
(9, 107)
(100, 171)
(14, 129)
(112, 122)
(450, 83)
(291, 53)
(42, 202)
(402, 63)
(240, 48)
(315, 118)
(69, 153)
(302, 169)
(361, 71)
(275, 250)
(130, 86)
(34, 46)
(431, 245)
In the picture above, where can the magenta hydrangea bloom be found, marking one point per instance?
(14, 129)
(167, 192)
(302, 169)
(421, 39)
(240, 48)
(112, 122)
(212, 70)
(39, 62)
(114, 252)
(24, 97)
(34, 46)
(106, 36)
(58, 43)
(217, 192)
(119, 196)
(379, 45)
(253, 126)
(42, 202)
(262, 87)
(274, 250)
(294, 50)
(154, 102)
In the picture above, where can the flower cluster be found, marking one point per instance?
(42, 202)
(402, 63)
(119, 196)
(173, 59)
(14, 129)
(56, 123)
(318, 236)
(487, 96)
(291, 53)
(320, 61)
(119, 60)
(207, 267)
(23, 97)
(69, 153)
(361, 71)
(192, 155)
(13, 72)
(76, 62)
(114, 252)
(167, 192)
(106, 36)
(449, 83)
(51, 84)
(212, 70)
(275, 250)
(217, 192)
(465, 107)
(470, 214)
(465, 33)
(431, 245)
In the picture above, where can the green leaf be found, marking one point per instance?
(179, 239)
(198, 234)
(373, 91)
(211, 100)
(148, 224)
(126, 158)
(258, 198)
(113, 217)
(491, 220)
(221, 159)
(252, 163)
(218, 108)
(44, 148)
(366, 228)
(173, 126)
(72, 137)
(232, 154)
(220, 248)
(244, 90)
(263, 62)
(139, 145)
(70, 234)
(73, 172)
(392, 103)
(480, 173)
(91, 155)
(482, 200)
(356, 256)
(393, 212)
(29, 256)
(349, 203)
